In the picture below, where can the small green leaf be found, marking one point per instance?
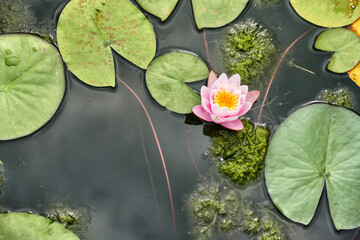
(32, 84)
(317, 144)
(88, 29)
(19, 225)
(159, 8)
(328, 13)
(166, 78)
(345, 44)
(216, 13)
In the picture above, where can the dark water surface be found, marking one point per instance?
(90, 154)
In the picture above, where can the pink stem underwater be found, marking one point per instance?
(206, 46)
(160, 151)
(150, 176)
(190, 152)
(277, 68)
(353, 238)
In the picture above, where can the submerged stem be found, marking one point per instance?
(277, 68)
(159, 148)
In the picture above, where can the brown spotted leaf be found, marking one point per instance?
(88, 29)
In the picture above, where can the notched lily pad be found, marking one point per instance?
(32, 84)
(317, 144)
(19, 225)
(345, 44)
(88, 29)
(159, 8)
(167, 76)
(328, 13)
(216, 13)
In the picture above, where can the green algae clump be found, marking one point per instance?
(14, 16)
(213, 211)
(248, 50)
(240, 154)
(76, 219)
(217, 209)
(340, 97)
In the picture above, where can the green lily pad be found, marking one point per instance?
(88, 29)
(20, 225)
(159, 8)
(345, 44)
(328, 13)
(32, 84)
(317, 144)
(167, 76)
(216, 13)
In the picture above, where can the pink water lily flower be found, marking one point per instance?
(224, 100)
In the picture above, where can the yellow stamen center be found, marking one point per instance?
(226, 99)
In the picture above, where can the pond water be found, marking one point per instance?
(93, 152)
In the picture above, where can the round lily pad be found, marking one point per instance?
(216, 13)
(167, 76)
(87, 31)
(328, 13)
(32, 84)
(21, 226)
(317, 145)
(345, 44)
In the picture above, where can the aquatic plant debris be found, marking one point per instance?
(159, 8)
(341, 97)
(167, 76)
(248, 49)
(20, 225)
(32, 84)
(240, 154)
(217, 209)
(328, 13)
(216, 13)
(345, 44)
(88, 30)
(224, 100)
(316, 143)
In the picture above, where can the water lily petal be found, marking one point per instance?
(212, 78)
(244, 89)
(221, 112)
(235, 79)
(205, 92)
(217, 119)
(234, 125)
(222, 78)
(246, 107)
(201, 113)
(252, 96)
(206, 105)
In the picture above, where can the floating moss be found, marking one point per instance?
(241, 154)
(213, 211)
(76, 219)
(248, 50)
(15, 17)
(217, 209)
(271, 230)
(341, 97)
